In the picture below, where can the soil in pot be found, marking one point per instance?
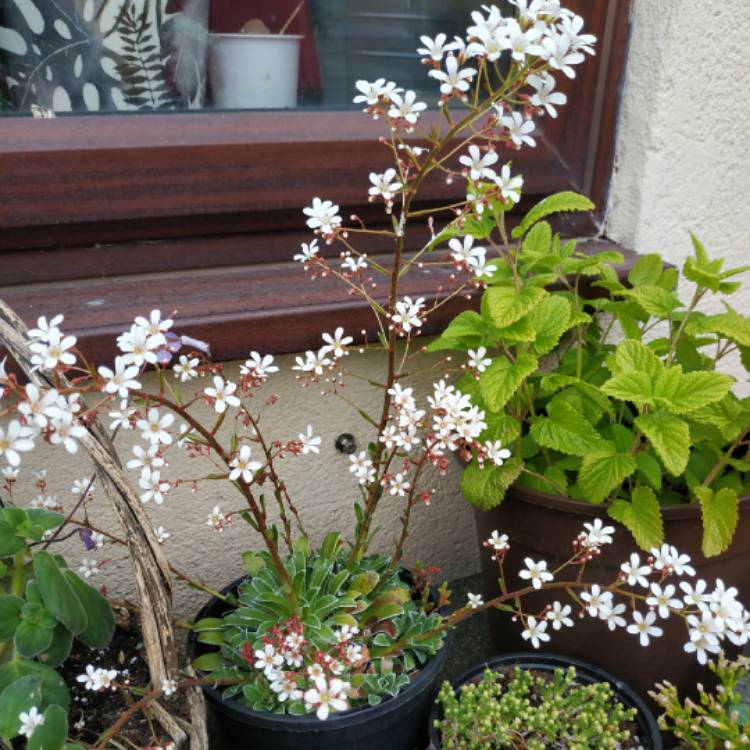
(643, 729)
(398, 723)
(543, 526)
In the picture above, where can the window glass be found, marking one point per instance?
(84, 56)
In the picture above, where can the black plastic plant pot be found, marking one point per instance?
(398, 723)
(649, 737)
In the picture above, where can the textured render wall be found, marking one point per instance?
(681, 159)
(322, 487)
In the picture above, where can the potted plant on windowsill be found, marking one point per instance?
(612, 403)
(254, 68)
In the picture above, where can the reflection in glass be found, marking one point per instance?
(144, 55)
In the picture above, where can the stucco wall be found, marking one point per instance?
(680, 165)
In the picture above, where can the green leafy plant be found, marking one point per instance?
(633, 425)
(523, 709)
(43, 607)
(719, 719)
(351, 616)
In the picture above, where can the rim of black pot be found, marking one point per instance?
(307, 723)
(541, 660)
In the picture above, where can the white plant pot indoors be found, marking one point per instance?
(254, 71)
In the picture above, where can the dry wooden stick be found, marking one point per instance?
(152, 574)
(291, 18)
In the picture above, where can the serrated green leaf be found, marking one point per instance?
(649, 469)
(502, 378)
(670, 437)
(505, 304)
(633, 356)
(500, 426)
(720, 512)
(634, 386)
(57, 593)
(602, 471)
(485, 488)
(563, 202)
(537, 242)
(642, 517)
(567, 431)
(646, 270)
(551, 318)
(465, 331)
(729, 325)
(653, 299)
(694, 390)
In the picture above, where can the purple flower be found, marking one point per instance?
(88, 542)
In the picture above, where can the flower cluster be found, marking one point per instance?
(98, 678)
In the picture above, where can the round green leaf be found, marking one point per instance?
(31, 638)
(52, 734)
(54, 689)
(10, 615)
(20, 695)
(209, 662)
(101, 620)
(59, 650)
(9, 542)
(57, 593)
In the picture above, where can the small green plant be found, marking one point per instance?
(524, 709)
(339, 621)
(43, 607)
(720, 719)
(614, 399)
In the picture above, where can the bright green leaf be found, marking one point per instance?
(646, 270)
(642, 517)
(567, 431)
(485, 487)
(602, 471)
(720, 511)
(649, 469)
(633, 356)
(563, 202)
(506, 304)
(550, 318)
(694, 390)
(669, 436)
(502, 378)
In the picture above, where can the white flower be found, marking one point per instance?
(663, 599)
(570, 27)
(90, 678)
(489, 43)
(222, 394)
(694, 596)
(397, 485)
(259, 366)
(121, 380)
(185, 368)
(146, 459)
(523, 43)
(434, 49)
(612, 615)
(346, 633)
(154, 488)
(406, 107)
(560, 56)
(314, 362)
(465, 252)
(536, 572)
(168, 687)
(559, 615)
(597, 600)
(362, 468)
(88, 568)
(9, 473)
(43, 329)
(286, 689)
(372, 93)
(498, 542)
(161, 534)
(154, 325)
(335, 344)
(635, 572)
(310, 443)
(324, 216)
(544, 96)
(519, 129)
(453, 79)
(243, 467)
(139, 346)
(495, 452)
(354, 264)
(596, 534)
(106, 677)
(217, 520)
(475, 601)
(489, 25)
(121, 418)
(385, 185)
(478, 164)
(37, 408)
(477, 359)
(535, 631)
(407, 315)
(66, 431)
(81, 486)
(644, 627)
(97, 539)
(326, 696)
(268, 660)
(680, 563)
(307, 252)
(30, 721)
(54, 351)
(154, 427)
(510, 187)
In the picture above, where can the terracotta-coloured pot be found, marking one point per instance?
(543, 526)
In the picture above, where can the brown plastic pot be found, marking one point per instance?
(543, 526)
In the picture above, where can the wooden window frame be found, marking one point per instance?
(103, 217)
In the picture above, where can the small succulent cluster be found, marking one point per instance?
(534, 711)
(327, 647)
(719, 719)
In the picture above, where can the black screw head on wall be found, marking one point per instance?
(346, 444)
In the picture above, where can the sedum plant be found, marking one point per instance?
(614, 400)
(719, 718)
(534, 710)
(43, 606)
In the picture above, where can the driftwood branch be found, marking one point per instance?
(152, 574)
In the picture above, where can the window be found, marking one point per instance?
(104, 215)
